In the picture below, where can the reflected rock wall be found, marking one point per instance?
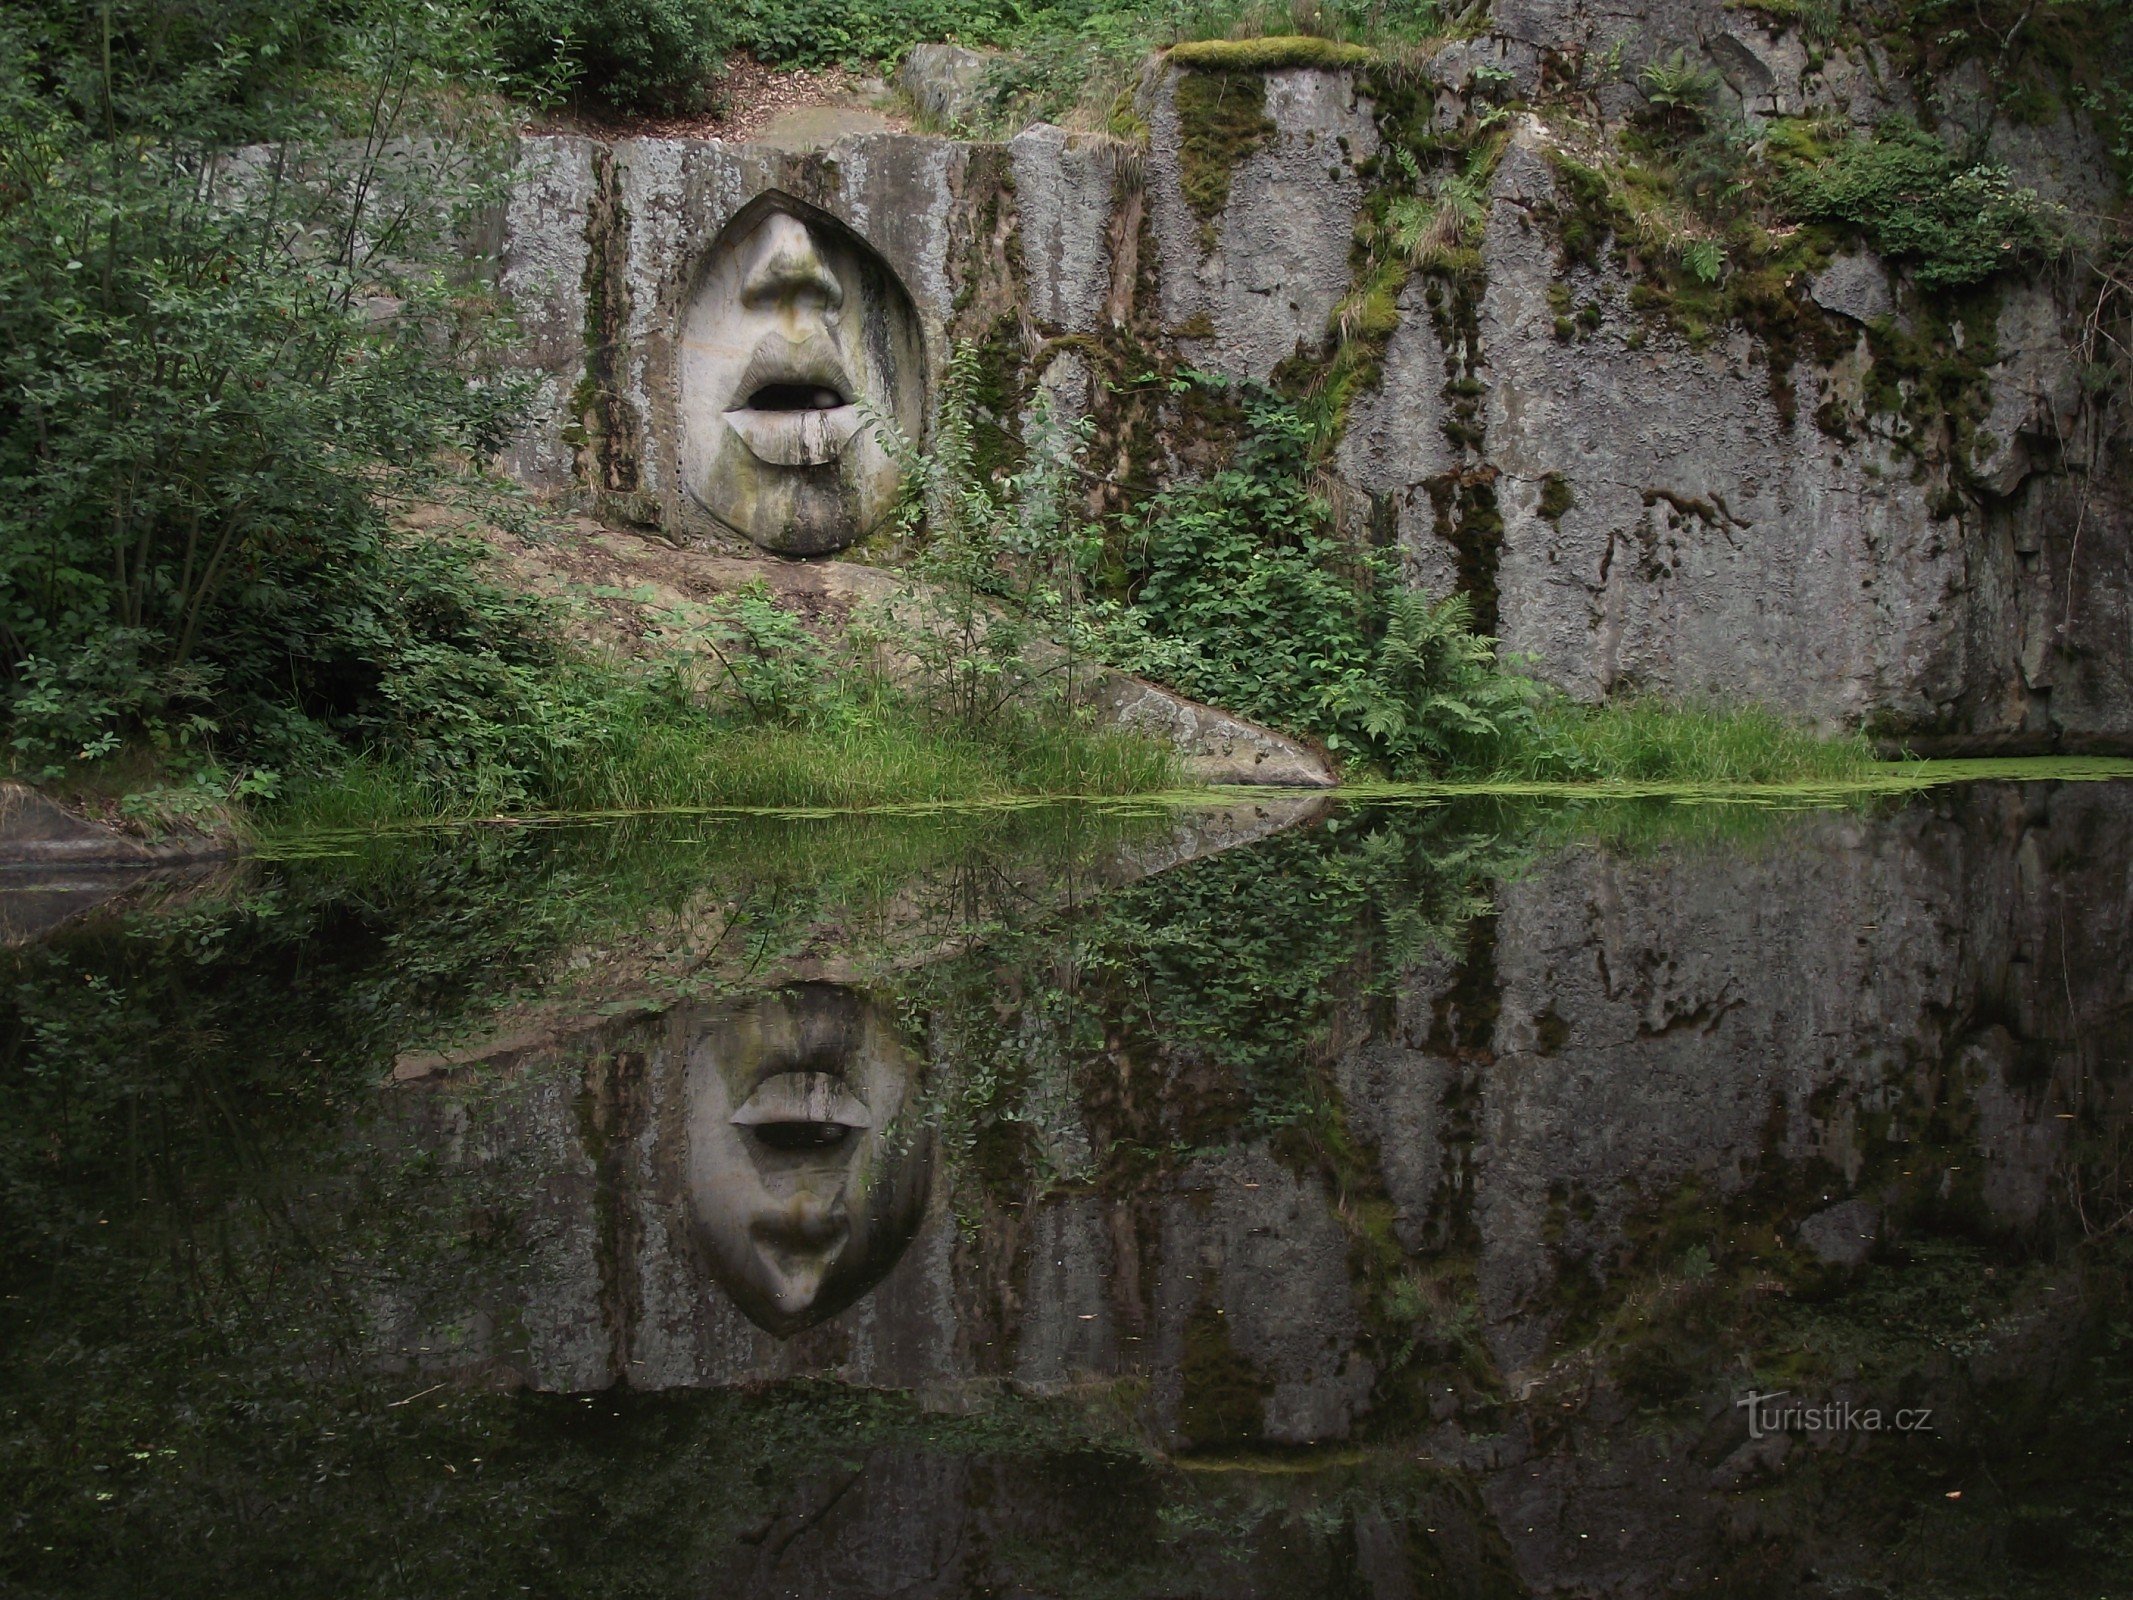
(1773, 1040)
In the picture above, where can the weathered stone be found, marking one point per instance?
(946, 81)
(1395, 447)
(797, 342)
(1711, 547)
(1845, 1234)
(1217, 746)
(1241, 292)
(1633, 510)
(1855, 286)
(548, 223)
(36, 831)
(1065, 187)
(1761, 65)
(2035, 389)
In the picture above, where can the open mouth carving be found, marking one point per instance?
(795, 405)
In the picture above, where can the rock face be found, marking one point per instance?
(1242, 289)
(1707, 548)
(36, 832)
(605, 249)
(1632, 507)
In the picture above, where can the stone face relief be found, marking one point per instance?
(805, 1178)
(796, 330)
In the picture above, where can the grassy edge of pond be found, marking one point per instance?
(1883, 780)
(890, 758)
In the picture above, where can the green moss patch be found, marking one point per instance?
(1273, 54)
(1222, 120)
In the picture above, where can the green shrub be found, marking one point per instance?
(1915, 201)
(634, 55)
(803, 33)
(1678, 87)
(220, 366)
(1288, 625)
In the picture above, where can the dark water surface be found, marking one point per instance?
(1288, 1199)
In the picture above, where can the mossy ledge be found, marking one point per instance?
(1272, 54)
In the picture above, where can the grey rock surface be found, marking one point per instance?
(37, 832)
(1711, 548)
(1845, 1234)
(1277, 263)
(1855, 286)
(945, 81)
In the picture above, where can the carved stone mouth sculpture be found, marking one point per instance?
(795, 332)
(806, 1169)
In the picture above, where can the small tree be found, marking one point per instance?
(1001, 560)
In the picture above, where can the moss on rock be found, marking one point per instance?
(1272, 54)
(1222, 120)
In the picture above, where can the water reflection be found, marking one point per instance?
(1393, 1203)
(805, 1178)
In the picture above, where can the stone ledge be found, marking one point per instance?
(36, 831)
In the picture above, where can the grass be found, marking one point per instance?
(1645, 740)
(884, 754)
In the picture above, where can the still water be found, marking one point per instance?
(1267, 1198)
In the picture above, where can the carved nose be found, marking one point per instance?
(784, 267)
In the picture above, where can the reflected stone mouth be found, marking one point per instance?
(794, 436)
(803, 1113)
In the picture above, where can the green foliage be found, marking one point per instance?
(1289, 626)
(1648, 740)
(1679, 87)
(1002, 562)
(1431, 697)
(1956, 224)
(1436, 225)
(634, 55)
(1267, 37)
(800, 34)
(1077, 60)
(771, 662)
(233, 327)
